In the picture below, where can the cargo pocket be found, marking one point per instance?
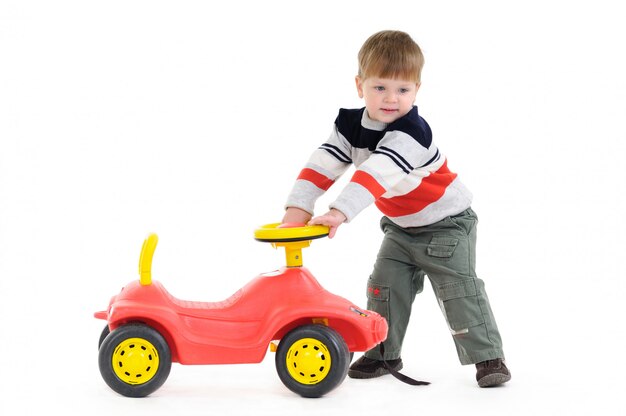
(460, 305)
(378, 298)
(442, 247)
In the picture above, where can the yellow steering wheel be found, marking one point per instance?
(277, 232)
(294, 237)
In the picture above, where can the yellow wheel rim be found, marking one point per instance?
(308, 361)
(135, 361)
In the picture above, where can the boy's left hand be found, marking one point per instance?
(333, 219)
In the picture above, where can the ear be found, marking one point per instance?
(359, 86)
(417, 88)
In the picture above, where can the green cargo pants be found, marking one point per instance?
(445, 252)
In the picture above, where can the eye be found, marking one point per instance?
(404, 90)
(379, 88)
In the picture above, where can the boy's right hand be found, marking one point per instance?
(296, 215)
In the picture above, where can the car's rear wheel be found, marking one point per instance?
(312, 360)
(134, 360)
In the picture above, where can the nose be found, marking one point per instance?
(390, 97)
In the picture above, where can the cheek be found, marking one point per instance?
(370, 98)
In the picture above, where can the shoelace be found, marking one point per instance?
(397, 374)
(495, 364)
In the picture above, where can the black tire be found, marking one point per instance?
(103, 335)
(312, 360)
(142, 360)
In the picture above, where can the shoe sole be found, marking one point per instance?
(492, 380)
(378, 373)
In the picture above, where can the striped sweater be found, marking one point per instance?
(397, 167)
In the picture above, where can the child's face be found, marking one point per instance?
(387, 99)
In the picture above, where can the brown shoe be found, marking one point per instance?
(367, 368)
(492, 373)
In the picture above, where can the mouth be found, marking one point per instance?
(388, 110)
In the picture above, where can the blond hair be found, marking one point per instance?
(391, 54)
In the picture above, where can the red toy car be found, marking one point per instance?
(312, 331)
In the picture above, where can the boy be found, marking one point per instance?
(429, 227)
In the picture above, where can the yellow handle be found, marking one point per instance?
(145, 259)
(293, 251)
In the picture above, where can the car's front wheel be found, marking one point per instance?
(134, 360)
(105, 332)
(312, 360)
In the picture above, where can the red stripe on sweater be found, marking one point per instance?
(429, 190)
(368, 181)
(316, 178)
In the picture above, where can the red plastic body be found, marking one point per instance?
(240, 328)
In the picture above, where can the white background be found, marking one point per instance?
(192, 119)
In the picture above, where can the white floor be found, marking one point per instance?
(575, 370)
(539, 386)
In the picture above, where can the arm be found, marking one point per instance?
(324, 167)
(395, 158)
